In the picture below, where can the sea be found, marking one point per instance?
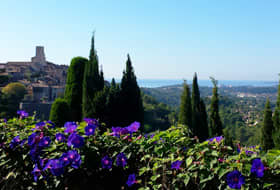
(154, 83)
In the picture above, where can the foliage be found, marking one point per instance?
(199, 126)
(15, 89)
(276, 121)
(216, 128)
(73, 88)
(132, 105)
(185, 115)
(157, 116)
(163, 160)
(92, 83)
(267, 129)
(60, 112)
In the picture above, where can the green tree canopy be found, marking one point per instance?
(185, 115)
(267, 129)
(216, 128)
(60, 112)
(15, 89)
(73, 90)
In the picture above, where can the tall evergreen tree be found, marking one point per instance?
(267, 129)
(74, 89)
(132, 105)
(276, 121)
(185, 115)
(204, 133)
(195, 128)
(92, 83)
(216, 128)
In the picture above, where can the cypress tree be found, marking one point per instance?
(216, 128)
(60, 112)
(204, 133)
(195, 128)
(267, 129)
(92, 83)
(185, 115)
(276, 121)
(132, 105)
(113, 105)
(74, 89)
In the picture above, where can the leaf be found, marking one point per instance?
(155, 177)
(267, 185)
(187, 180)
(189, 161)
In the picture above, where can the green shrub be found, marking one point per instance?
(60, 112)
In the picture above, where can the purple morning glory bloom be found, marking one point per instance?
(15, 141)
(50, 124)
(257, 168)
(131, 180)
(106, 162)
(235, 179)
(64, 159)
(176, 165)
(90, 121)
(121, 160)
(22, 113)
(216, 139)
(36, 172)
(76, 140)
(45, 142)
(74, 158)
(90, 129)
(60, 137)
(35, 153)
(31, 139)
(70, 127)
(39, 126)
(117, 131)
(133, 127)
(43, 162)
(56, 167)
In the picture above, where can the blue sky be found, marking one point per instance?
(230, 40)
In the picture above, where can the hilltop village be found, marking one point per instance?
(44, 80)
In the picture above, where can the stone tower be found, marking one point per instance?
(40, 55)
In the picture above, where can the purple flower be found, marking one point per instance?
(106, 162)
(90, 121)
(121, 160)
(22, 113)
(70, 127)
(74, 158)
(176, 165)
(44, 142)
(248, 152)
(216, 139)
(31, 139)
(235, 179)
(50, 124)
(16, 141)
(39, 126)
(60, 137)
(117, 131)
(36, 172)
(257, 168)
(131, 180)
(43, 162)
(35, 153)
(76, 140)
(90, 129)
(56, 167)
(133, 127)
(64, 159)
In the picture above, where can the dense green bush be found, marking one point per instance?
(60, 112)
(37, 155)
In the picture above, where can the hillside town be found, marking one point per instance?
(44, 81)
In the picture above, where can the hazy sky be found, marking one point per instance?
(230, 40)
